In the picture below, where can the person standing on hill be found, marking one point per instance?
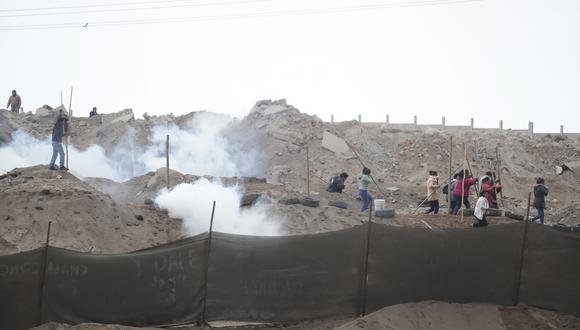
(432, 193)
(14, 102)
(364, 180)
(462, 187)
(336, 184)
(540, 193)
(93, 112)
(59, 130)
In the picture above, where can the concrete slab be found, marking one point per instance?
(334, 143)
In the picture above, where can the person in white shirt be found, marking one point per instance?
(481, 207)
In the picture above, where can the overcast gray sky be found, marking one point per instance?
(516, 60)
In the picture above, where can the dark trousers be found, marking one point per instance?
(458, 203)
(540, 215)
(480, 223)
(433, 207)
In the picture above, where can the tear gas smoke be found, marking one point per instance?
(25, 150)
(193, 204)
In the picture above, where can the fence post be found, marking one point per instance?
(471, 123)
(443, 122)
(387, 119)
(42, 274)
(205, 280)
(167, 158)
(522, 251)
(562, 130)
(332, 119)
(530, 129)
(501, 125)
(366, 261)
(415, 121)
(359, 119)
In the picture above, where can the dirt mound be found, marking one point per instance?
(442, 315)
(82, 218)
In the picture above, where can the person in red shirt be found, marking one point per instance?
(489, 189)
(462, 186)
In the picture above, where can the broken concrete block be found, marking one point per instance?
(334, 143)
(386, 213)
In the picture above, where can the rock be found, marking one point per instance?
(514, 216)
(386, 213)
(148, 201)
(45, 191)
(309, 201)
(254, 180)
(392, 191)
(139, 217)
(249, 199)
(289, 201)
(339, 204)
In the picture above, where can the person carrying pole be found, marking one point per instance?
(432, 193)
(462, 189)
(59, 130)
(364, 180)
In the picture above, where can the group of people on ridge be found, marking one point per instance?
(456, 193)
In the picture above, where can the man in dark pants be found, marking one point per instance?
(540, 193)
(336, 184)
(59, 130)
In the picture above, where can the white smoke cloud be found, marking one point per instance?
(201, 149)
(25, 150)
(193, 204)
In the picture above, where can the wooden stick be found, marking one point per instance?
(498, 170)
(426, 224)
(167, 158)
(528, 207)
(449, 192)
(463, 182)
(361, 162)
(308, 171)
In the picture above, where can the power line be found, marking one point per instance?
(234, 16)
(135, 9)
(115, 5)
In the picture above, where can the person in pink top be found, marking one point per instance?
(463, 186)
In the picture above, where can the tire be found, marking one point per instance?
(338, 204)
(514, 216)
(386, 213)
(309, 201)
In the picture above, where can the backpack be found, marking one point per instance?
(445, 189)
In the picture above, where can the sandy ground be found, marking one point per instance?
(428, 315)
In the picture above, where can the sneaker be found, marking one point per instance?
(52, 167)
(62, 168)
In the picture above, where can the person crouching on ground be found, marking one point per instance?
(364, 180)
(540, 193)
(336, 184)
(481, 207)
(432, 193)
(59, 130)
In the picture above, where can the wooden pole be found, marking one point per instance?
(61, 101)
(205, 280)
(70, 122)
(498, 170)
(167, 158)
(308, 171)
(449, 192)
(366, 261)
(522, 251)
(528, 207)
(463, 182)
(42, 274)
